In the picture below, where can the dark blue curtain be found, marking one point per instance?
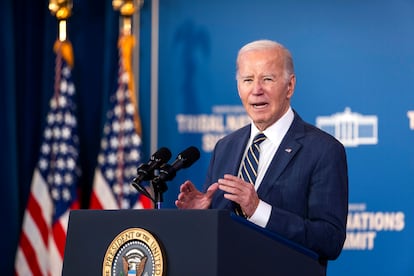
(27, 35)
(9, 204)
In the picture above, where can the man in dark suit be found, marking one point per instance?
(300, 187)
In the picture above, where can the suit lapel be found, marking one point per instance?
(285, 153)
(238, 146)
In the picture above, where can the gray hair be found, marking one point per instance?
(265, 44)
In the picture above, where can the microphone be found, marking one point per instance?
(184, 160)
(146, 171)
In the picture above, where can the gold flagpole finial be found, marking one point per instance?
(127, 9)
(62, 9)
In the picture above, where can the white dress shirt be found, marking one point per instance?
(268, 148)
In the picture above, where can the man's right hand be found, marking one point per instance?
(191, 198)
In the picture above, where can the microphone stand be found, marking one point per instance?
(160, 187)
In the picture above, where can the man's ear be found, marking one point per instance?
(291, 85)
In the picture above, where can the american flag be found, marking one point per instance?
(53, 189)
(121, 151)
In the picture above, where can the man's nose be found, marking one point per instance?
(258, 87)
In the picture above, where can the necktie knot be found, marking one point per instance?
(259, 138)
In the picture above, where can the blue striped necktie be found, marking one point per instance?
(250, 164)
(251, 161)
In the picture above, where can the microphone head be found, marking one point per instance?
(162, 155)
(189, 156)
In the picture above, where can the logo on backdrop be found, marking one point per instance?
(350, 128)
(364, 227)
(134, 251)
(223, 120)
(410, 115)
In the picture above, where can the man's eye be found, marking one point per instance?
(247, 80)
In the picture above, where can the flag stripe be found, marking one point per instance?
(106, 198)
(22, 267)
(36, 209)
(59, 234)
(26, 249)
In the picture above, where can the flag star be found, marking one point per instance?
(47, 133)
(125, 189)
(71, 89)
(63, 86)
(109, 173)
(50, 119)
(111, 158)
(125, 204)
(60, 163)
(107, 130)
(69, 119)
(66, 194)
(116, 126)
(101, 159)
(55, 147)
(68, 179)
(66, 71)
(130, 108)
(62, 101)
(45, 149)
(120, 96)
(128, 124)
(56, 132)
(134, 155)
(66, 132)
(58, 179)
(125, 77)
(114, 142)
(59, 117)
(104, 144)
(55, 194)
(43, 164)
(63, 148)
(116, 189)
(70, 163)
(136, 140)
(53, 104)
(118, 111)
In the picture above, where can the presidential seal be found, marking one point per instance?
(136, 252)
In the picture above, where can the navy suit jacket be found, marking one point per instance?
(306, 184)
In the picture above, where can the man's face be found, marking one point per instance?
(263, 87)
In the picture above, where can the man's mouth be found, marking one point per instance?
(259, 105)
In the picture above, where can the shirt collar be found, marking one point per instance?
(277, 130)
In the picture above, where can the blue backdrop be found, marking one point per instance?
(355, 79)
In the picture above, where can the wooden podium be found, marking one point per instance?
(195, 242)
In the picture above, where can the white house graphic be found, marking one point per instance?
(410, 115)
(351, 129)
